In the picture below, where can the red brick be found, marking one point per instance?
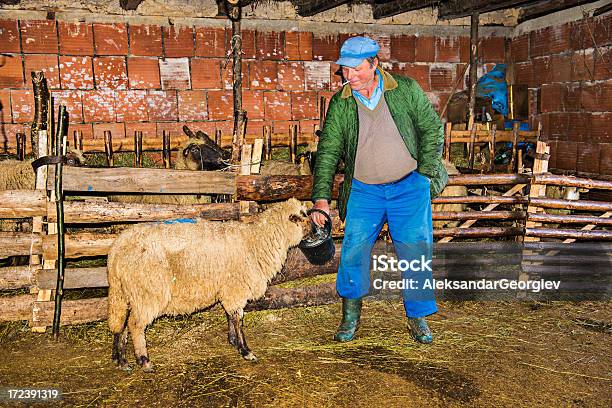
(384, 41)
(227, 75)
(270, 45)
(425, 49)
(588, 158)
(252, 103)
(39, 36)
(210, 42)
(519, 48)
(602, 69)
(178, 41)
(192, 105)
(76, 72)
(99, 106)
(579, 126)
(605, 164)
(567, 154)
(298, 45)
(441, 78)
(464, 49)
(131, 106)
(174, 73)
(75, 38)
(283, 126)
(8, 135)
(220, 105)
(552, 97)
(255, 128)
(5, 106)
(162, 105)
(539, 41)
(263, 75)
(277, 105)
(561, 68)
(601, 123)
(447, 49)
(420, 73)
(22, 106)
(11, 72)
(86, 130)
(110, 73)
(583, 66)
(542, 70)
(205, 73)
(573, 97)
(304, 105)
(336, 77)
(73, 100)
(48, 64)
(325, 48)
(559, 127)
(145, 40)
(9, 36)
(317, 75)
(143, 73)
(110, 39)
(291, 76)
(559, 38)
(149, 130)
(597, 97)
(492, 49)
(403, 48)
(117, 130)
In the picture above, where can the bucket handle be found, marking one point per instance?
(328, 218)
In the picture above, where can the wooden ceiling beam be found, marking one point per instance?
(458, 8)
(312, 7)
(543, 8)
(395, 7)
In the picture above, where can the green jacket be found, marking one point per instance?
(415, 119)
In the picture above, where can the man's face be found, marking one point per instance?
(360, 76)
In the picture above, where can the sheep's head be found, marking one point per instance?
(298, 223)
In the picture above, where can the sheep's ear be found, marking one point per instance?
(295, 218)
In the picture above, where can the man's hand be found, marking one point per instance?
(317, 217)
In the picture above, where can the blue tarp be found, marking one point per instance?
(493, 85)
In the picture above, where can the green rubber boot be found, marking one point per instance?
(351, 313)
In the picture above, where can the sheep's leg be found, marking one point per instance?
(231, 331)
(243, 348)
(119, 346)
(137, 330)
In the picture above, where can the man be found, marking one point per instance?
(390, 138)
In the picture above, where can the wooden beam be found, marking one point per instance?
(16, 277)
(22, 203)
(13, 308)
(602, 9)
(130, 4)
(393, 8)
(459, 8)
(312, 7)
(542, 8)
(19, 243)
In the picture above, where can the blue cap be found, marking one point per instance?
(355, 50)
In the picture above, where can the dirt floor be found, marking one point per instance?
(484, 354)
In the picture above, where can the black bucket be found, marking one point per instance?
(319, 247)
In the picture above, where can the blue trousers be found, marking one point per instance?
(406, 207)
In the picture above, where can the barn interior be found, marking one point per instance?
(141, 96)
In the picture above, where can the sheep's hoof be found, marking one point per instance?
(146, 365)
(123, 365)
(249, 357)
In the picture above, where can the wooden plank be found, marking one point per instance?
(604, 220)
(312, 7)
(15, 308)
(147, 180)
(588, 227)
(94, 212)
(482, 232)
(543, 8)
(478, 215)
(395, 7)
(245, 159)
(571, 204)
(22, 203)
(78, 245)
(455, 9)
(73, 311)
(256, 156)
(540, 165)
(571, 181)
(568, 233)
(16, 277)
(19, 243)
(270, 188)
(74, 278)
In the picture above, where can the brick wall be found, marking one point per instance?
(568, 68)
(127, 77)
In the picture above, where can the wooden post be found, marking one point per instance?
(448, 128)
(293, 136)
(473, 66)
(267, 138)
(138, 148)
(471, 145)
(20, 138)
(322, 111)
(540, 165)
(515, 138)
(78, 140)
(256, 156)
(492, 134)
(235, 15)
(108, 148)
(218, 137)
(166, 150)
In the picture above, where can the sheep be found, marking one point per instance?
(157, 269)
(450, 191)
